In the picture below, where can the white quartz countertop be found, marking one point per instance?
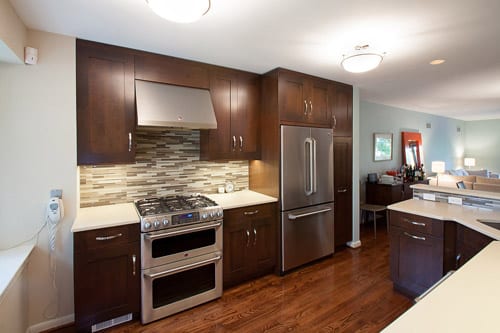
(11, 263)
(470, 193)
(90, 218)
(240, 199)
(465, 302)
(465, 215)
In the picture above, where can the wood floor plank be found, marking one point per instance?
(348, 292)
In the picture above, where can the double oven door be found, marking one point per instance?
(181, 268)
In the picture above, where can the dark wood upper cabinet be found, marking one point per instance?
(342, 169)
(105, 100)
(170, 70)
(302, 99)
(236, 100)
(341, 114)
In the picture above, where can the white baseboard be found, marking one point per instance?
(53, 323)
(354, 244)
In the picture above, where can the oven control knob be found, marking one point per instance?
(147, 225)
(165, 222)
(212, 215)
(156, 224)
(204, 216)
(219, 213)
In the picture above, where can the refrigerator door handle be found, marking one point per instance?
(314, 169)
(309, 176)
(298, 216)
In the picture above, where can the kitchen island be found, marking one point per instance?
(465, 302)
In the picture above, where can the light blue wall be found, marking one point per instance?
(444, 141)
(483, 143)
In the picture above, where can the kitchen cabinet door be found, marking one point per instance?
(250, 243)
(106, 275)
(303, 99)
(236, 99)
(468, 243)
(105, 100)
(341, 114)
(417, 252)
(342, 169)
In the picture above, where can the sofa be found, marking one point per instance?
(471, 182)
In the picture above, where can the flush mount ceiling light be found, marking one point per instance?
(437, 62)
(361, 61)
(181, 11)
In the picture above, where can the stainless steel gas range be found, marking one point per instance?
(181, 251)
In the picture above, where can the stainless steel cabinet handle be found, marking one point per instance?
(134, 259)
(311, 107)
(129, 141)
(298, 216)
(305, 107)
(334, 121)
(254, 236)
(182, 268)
(234, 142)
(420, 224)
(248, 238)
(414, 237)
(251, 213)
(241, 143)
(105, 238)
(342, 190)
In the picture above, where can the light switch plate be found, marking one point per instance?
(455, 201)
(429, 196)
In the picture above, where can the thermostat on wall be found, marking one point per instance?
(30, 55)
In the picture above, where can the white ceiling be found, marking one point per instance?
(311, 36)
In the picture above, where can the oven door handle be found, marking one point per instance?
(182, 268)
(181, 232)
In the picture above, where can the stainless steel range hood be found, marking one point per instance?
(167, 105)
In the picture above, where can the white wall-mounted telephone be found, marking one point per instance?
(55, 210)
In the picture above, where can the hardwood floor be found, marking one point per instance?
(348, 292)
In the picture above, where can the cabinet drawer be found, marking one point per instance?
(96, 238)
(416, 223)
(264, 210)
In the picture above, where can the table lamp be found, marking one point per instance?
(469, 162)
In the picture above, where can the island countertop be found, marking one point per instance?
(465, 302)
(465, 215)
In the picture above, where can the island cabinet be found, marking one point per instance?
(250, 242)
(236, 100)
(342, 173)
(417, 252)
(303, 99)
(468, 243)
(105, 104)
(341, 118)
(107, 272)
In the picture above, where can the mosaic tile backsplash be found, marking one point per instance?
(167, 162)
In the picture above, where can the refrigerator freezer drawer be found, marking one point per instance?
(307, 234)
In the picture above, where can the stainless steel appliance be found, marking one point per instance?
(181, 252)
(306, 195)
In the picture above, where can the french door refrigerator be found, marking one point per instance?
(306, 195)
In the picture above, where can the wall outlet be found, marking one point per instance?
(455, 201)
(429, 196)
(57, 193)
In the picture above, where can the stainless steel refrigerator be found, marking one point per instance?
(306, 195)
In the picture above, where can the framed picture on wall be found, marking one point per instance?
(382, 147)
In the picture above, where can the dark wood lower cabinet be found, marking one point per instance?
(249, 243)
(422, 250)
(107, 272)
(469, 242)
(342, 173)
